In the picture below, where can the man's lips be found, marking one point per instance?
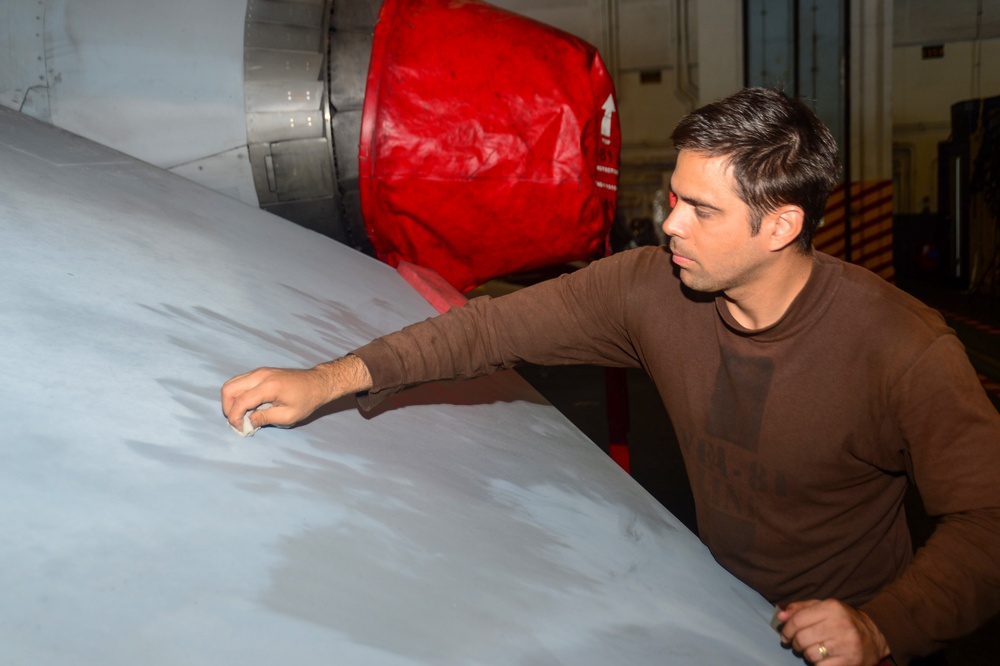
(680, 259)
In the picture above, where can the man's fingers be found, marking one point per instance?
(802, 638)
(797, 617)
(240, 383)
(258, 418)
(823, 651)
(795, 607)
(833, 633)
(246, 396)
(248, 402)
(268, 413)
(237, 386)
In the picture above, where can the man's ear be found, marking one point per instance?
(786, 224)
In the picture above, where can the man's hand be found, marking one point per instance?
(293, 394)
(832, 633)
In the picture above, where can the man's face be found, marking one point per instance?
(709, 227)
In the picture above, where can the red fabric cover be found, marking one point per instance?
(489, 142)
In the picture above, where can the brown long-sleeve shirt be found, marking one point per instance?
(799, 439)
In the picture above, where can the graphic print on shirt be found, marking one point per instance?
(723, 464)
(741, 389)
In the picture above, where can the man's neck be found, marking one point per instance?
(764, 300)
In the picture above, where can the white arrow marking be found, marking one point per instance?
(609, 110)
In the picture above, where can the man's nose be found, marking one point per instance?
(674, 225)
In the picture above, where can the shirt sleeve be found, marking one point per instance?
(578, 318)
(952, 436)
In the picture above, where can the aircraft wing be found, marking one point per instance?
(465, 523)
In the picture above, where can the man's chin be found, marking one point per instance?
(694, 283)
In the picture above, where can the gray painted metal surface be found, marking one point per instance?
(465, 523)
(161, 81)
(258, 99)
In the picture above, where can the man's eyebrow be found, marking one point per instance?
(691, 201)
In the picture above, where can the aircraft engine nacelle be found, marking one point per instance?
(489, 145)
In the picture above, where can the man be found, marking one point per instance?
(805, 392)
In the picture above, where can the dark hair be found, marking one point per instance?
(779, 150)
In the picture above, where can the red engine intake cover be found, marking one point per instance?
(489, 142)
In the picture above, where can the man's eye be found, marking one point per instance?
(673, 200)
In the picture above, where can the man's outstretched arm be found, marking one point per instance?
(293, 394)
(576, 319)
